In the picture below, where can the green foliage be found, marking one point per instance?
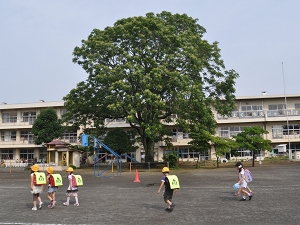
(47, 127)
(119, 141)
(172, 158)
(252, 139)
(146, 69)
(74, 167)
(222, 146)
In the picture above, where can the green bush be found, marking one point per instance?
(74, 167)
(172, 158)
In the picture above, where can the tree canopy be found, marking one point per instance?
(47, 127)
(119, 141)
(252, 139)
(146, 69)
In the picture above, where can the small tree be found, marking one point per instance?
(251, 138)
(47, 127)
(172, 158)
(222, 146)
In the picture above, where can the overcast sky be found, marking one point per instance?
(38, 37)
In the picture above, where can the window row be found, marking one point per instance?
(27, 136)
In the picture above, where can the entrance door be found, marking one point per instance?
(64, 158)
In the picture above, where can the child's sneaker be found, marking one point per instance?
(65, 204)
(34, 209)
(41, 205)
(76, 204)
(53, 203)
(173, 205)
(50, 206)
(250, 196)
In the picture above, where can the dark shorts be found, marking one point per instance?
(168, 195)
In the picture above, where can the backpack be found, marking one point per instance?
(173, 181)
(39, 178)
(248, 176)
(76, 180)
(55, 180)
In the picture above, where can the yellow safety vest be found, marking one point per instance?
(57, 179)
(174, 182)
(39, 179)
(79, 180)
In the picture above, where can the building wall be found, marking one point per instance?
(250, 111)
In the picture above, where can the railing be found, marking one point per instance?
(261, 114)
(22, 165)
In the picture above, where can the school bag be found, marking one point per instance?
(76, 180)
(173, 181)
(248, 176)
(55, 180)
(39, 178)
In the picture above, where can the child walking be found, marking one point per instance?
(51, 190)
(35, 189)
(72, 190)
(168, 194)
(242, 182)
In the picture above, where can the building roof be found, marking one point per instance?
(58, 142)
(40, 104)
(265, 96)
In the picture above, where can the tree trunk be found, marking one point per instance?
(148, 144)
(253, 158)
(217, 161)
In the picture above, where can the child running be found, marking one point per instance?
(242, 182)
(51, 190)
(168, 194)
(72, 190)
(35, 189)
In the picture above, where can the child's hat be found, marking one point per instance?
(70, 169)
(35, 168)
(50, 170)
(165, 170)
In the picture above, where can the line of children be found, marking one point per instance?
(242, 182)
(36, 190)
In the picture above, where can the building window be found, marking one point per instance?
(297, 106)
(6, 154)
(43, 155)
(70, 136)
(277, 110)
(278, 131)
(27, 155)
(227, 132)
(26, 135)
(10, 117)
(28, 117)
(8, 136)
(251, 110)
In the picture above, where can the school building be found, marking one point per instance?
(278, 114)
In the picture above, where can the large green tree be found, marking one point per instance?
(147, 68)
(252, 138)
(119, 141)
(47, 127)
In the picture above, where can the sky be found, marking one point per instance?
(258, 39)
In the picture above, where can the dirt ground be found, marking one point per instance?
(205, 197)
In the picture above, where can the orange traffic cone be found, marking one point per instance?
(137, 176)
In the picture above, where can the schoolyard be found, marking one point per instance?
(205, 197)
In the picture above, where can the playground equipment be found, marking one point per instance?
(97, 145)
(132, 159)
